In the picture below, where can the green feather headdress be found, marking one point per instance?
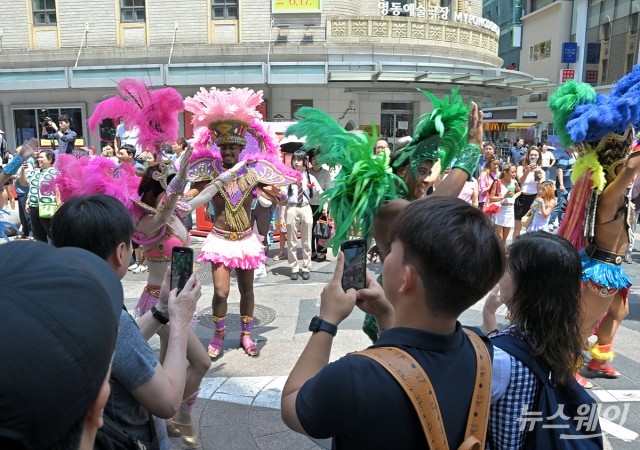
(439, 134)
(564, 101)
(364, 180)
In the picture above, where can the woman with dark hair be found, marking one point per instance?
(541, 289)
(158, 231)
(299, 215)
(42, 202)
(323, 176)
(178, 147)
(529, 175)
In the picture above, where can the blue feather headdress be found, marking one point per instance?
(608, 114)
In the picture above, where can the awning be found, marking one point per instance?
(521, 125)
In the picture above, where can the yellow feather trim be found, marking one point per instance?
(599, 355)
(589, 161)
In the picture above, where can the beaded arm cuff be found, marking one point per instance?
(468, 159)
(14, 165)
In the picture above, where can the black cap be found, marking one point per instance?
(59, 315)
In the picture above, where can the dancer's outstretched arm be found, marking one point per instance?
(212, 188)
(152, 223)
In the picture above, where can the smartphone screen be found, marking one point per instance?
(354, 275)
(181, 266)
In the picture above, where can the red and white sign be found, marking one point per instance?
(591, 76)
(566, 74)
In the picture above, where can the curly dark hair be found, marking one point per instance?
(150, 188)
(545, 308)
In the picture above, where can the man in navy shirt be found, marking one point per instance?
(444, 257)
(65, 136)
(516, 154)
(565, 162)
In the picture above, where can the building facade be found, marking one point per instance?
(591, 41)
(360, 60)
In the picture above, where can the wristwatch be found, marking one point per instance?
(159, 316)
(319, 324)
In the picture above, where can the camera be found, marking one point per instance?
(46, 121)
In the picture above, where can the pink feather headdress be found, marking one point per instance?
(215, 105)
(226, 113)
(99, 175)
(154, 113)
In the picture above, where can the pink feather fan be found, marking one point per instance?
(99, 175)
(154, 113)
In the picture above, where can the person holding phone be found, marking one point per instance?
(356, 401)
(141, 383)
(529, 176)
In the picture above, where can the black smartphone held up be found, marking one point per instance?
(181, 266)
(354, 275)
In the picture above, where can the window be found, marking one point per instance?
(27, 122)
(633, 23)
(606, 31)
(536, 98)
(539, 4)
(629, 62)
(605, 71)
(297, 104)
(541, 50)
(132, 11)
(224, 9)
(44, 12)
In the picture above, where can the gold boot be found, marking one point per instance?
(181, 426)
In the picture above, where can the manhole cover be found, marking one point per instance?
(262, 316)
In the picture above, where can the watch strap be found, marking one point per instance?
(319, 324)
(159, 316)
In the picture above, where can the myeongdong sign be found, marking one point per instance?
(435, 13)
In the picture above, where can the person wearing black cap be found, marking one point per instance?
(56, 349)
(140, 384)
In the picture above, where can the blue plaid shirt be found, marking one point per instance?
(507, 426)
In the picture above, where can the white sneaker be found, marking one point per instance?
(260, 272)
(141, 268)
(132, 267)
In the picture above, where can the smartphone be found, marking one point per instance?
(181, 266)
(354, 275)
